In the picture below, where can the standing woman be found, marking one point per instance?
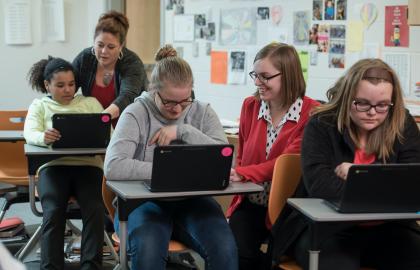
(271, 124)
(364, 122)
(108, 70)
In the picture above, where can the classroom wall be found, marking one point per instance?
(15, 60)
(227, 99)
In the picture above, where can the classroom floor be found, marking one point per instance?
(31, 222)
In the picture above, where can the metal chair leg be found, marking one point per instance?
(30, 244)
(73, 227)
(111, 247)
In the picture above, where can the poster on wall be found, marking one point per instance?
(317, 10)
(396, 27)
(53, 20)
(301, 24)
(184, 28)
(17, 22)
(218, 68)
(236, 69)
(341, 11)
(238, 26)
(337, 45)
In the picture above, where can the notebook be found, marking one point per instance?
(380, 188)
(190, 168)
(82, 130)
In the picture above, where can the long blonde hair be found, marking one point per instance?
(342, 94)
(170, 68)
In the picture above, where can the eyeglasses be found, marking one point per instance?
(169, 104)
(363, 106)
(254, 75)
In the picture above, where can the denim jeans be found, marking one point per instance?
(198, 223)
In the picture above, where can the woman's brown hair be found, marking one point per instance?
(342, 94)
(115, 23)
(170, 68)
(286, 60)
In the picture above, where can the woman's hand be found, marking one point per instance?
(234, 176)
(51, 135)
(164, 136)
(342, 170)
(113, 110)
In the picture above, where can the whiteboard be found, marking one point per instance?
(227, 99)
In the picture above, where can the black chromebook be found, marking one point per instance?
(82, 130)
(381, 188)
(178, 168)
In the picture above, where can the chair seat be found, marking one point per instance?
(5, 187)
(174, 246)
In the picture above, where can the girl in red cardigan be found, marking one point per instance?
(271, 124)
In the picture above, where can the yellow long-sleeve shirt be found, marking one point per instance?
(39, 119)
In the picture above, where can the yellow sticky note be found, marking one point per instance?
(304, 62)
(355, 33)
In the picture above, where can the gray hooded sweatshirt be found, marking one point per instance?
(129, 157)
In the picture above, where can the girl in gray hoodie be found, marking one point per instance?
(166, 114)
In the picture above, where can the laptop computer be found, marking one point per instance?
(82, 130)
(380, 188)
(190, 168)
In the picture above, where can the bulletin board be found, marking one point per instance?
(219, 38)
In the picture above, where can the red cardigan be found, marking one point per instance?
(251, 161)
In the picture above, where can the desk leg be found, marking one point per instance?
(123, 245)
(314, 247)
(313, 259)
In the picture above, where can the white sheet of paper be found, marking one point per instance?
(53, 20)
(17, 21)
(184, 28)
(236, 67)
(400, 62)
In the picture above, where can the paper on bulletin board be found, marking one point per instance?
(400, 62)
(184, 28)
(304, 62)
(355, 34)
(53, 20)
(219, 66)
(396, 26)
(17, 21)
(237, 65)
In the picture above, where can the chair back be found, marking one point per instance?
(12, 120)
(108, 196)
(13, 163)
(286, 177)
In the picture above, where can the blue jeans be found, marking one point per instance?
(198, 223)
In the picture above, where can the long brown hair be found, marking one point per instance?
(170, 68)
(286, 60)
(342, 94)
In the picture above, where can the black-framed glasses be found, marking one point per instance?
(254, 75)
(363, 106)
(172, 103)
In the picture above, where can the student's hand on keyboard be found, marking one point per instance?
(164, 136)
(342, 170)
